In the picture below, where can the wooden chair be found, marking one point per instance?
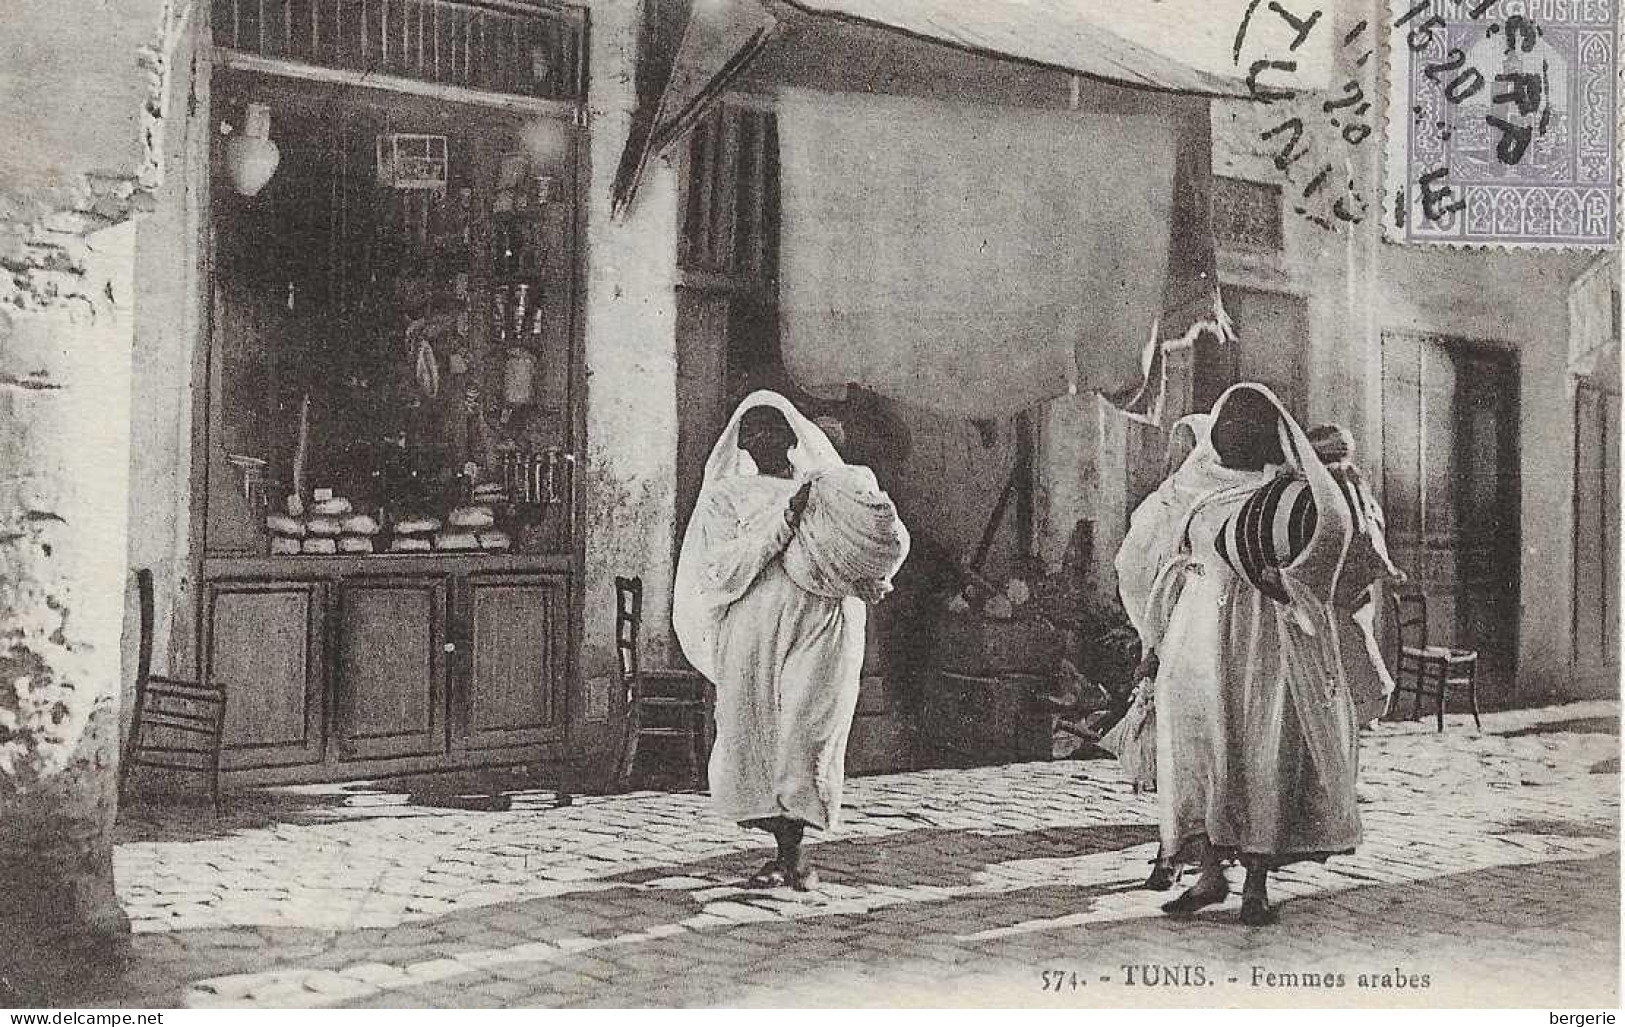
(664, 704)
(194, 710)
(1428, 671)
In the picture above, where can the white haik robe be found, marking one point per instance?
(1256, 727)
(768, 614)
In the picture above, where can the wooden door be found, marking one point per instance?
(390, 668)
(513, 660)
(1451, 493)
(1272, 344)
(264, 643)
(1596, 534)
(702, 385)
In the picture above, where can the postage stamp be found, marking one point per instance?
(1503, 122)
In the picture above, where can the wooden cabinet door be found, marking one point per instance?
(390, 685)
(514, 655)
(264, 643)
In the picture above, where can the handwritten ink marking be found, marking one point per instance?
(1302, 26)
(1241, 31)
(1264, 93)
(1293, 150)
(1436, 199)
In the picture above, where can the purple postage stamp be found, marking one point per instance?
(1502, 122)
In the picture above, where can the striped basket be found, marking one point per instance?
(1272, 528)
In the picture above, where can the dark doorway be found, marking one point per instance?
(1451, 492)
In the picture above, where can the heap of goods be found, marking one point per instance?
(330, 526)
(327, 526)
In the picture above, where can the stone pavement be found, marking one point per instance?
(1491, 867)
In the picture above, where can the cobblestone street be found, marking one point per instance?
(1490, 866)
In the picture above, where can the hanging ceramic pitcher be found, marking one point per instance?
(251, 157)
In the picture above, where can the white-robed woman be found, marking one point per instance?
(786, 548)
(1366, 567)
(1257, 732)
(1153, 539)
(1157, 524)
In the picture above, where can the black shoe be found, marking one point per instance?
(1257, 912)
(771, 875)
(1161, 879)
(1195, 898)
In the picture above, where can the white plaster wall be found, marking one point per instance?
(629, 468)
(68, 74)
(168, 315)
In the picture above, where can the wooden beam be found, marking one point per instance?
(237, 60)
(1011, 486)
(1026, 453)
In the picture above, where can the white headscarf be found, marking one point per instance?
(1157, 526)
(814, 450)
(695, 612)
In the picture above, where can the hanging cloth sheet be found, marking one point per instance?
(971, 259)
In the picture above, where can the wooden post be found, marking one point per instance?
(1026, 448)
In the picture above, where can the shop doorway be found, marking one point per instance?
(1451, 492)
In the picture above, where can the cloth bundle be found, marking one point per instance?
(412, 534)
(1272, 528)
(1134, 739)
(848, 533)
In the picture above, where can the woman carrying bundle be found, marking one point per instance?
(1257, 732)
(786, 546)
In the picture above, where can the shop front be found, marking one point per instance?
(455, 379)
(391, 550)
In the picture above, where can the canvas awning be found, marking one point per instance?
(1195, 47)
(1035, 253)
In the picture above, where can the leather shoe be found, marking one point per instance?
(1257, 912)
(1195, 898)
(1161, 879)
(771, 875)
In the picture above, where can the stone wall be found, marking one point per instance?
(87, 91)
